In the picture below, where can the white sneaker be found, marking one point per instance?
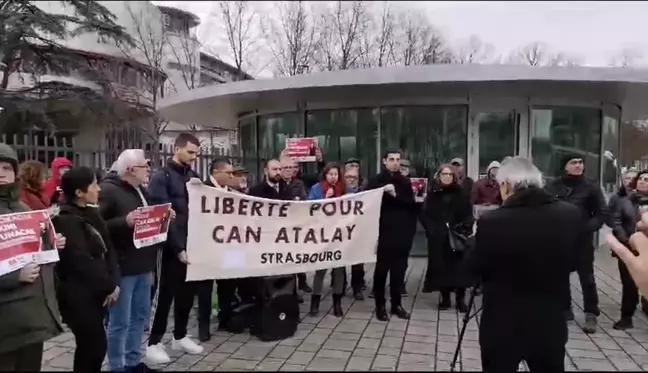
(156, 354)
(187, 345)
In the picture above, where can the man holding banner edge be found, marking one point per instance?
(398, 218)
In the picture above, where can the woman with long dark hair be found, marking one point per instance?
(626, 214)
(330, 186)
(87, 270)
(448, 211)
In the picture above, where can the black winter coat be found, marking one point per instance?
(397, 214)
(169, 185)
(116, 200)
(524, 252)
(584, 194)
(626, 215)
(443, 207)
(264, 190)
(87, 270)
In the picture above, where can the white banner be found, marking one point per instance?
(234, 235)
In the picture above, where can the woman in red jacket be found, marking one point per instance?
(31, 175)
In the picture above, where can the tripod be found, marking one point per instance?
(466, 319)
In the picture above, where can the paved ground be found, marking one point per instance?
(426, 342)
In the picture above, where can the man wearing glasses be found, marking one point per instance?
(575, 188)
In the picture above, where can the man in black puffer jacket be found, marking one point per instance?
(575, 188)
(398, 216)
(121, 195)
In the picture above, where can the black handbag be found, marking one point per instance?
(459, 242)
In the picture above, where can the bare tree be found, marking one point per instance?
(540, 54)
(150, 44)
(377, 41)
(340, 28)
(474, 50)
(291, 38)
(419, 42)
(238, 19)
(626, 57)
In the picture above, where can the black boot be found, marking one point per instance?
(337, 305)
(381, 312)
(461, 304)
(623, 323)
(400, 312)
(357, 294)
(204, 334)
(314, 305)
(445, 303)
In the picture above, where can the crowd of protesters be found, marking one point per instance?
(107, 291)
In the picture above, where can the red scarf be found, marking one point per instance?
(337, 188)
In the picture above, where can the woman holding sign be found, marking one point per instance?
(87, 271)
(330, 186)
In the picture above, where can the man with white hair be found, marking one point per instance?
(121, 194)
(524, 252)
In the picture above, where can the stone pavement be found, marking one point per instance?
(358, 342)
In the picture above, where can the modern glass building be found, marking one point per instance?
(433, 113)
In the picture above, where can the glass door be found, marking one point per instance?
(497, 137)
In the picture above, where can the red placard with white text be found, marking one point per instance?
(301, 149)
(419, 187)
(26, 237)
(151, 225)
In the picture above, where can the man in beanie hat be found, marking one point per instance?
(575, 188)
(465, 181)
(30, 314)
(486, 191)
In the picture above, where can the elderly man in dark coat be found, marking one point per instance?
(524, 253)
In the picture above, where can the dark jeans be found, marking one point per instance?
(173, 289)
(629, 292)
(204, 290)
(24, 359)
(301, 280)
(392, 262)
(87, 325)
(357, 277)
(226, 292)
(585, 272)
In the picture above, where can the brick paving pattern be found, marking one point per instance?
(427, 341)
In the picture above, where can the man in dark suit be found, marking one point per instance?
(524, 253)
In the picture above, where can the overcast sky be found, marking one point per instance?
(592, 31)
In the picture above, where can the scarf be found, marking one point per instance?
(338, 189)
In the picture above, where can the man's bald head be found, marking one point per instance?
(288, 168)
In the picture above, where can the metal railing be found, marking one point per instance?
(46, 149)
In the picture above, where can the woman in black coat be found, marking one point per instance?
(626, 213)
(87, 271)
(447, 207)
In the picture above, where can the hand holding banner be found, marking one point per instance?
(233, 235)
(26, 237)
(151, 225)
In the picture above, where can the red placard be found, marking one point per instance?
(419, 187)
(301, 149)
(151, 225)
(26, 237)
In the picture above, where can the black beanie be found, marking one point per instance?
(568, 157)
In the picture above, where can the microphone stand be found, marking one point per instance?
(466, 320)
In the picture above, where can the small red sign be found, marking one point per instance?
(151, 225)
(301, 149)
(419, 187)
(26, 237)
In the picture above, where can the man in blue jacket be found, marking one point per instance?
(168, 185)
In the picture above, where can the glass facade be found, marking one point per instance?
(427, 135)
(557, 131)
(434, 134)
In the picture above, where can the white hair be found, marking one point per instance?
(520, 173)
(127, 159)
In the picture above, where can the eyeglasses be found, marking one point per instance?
(643, 178)
(447, 174)
(351, 177)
